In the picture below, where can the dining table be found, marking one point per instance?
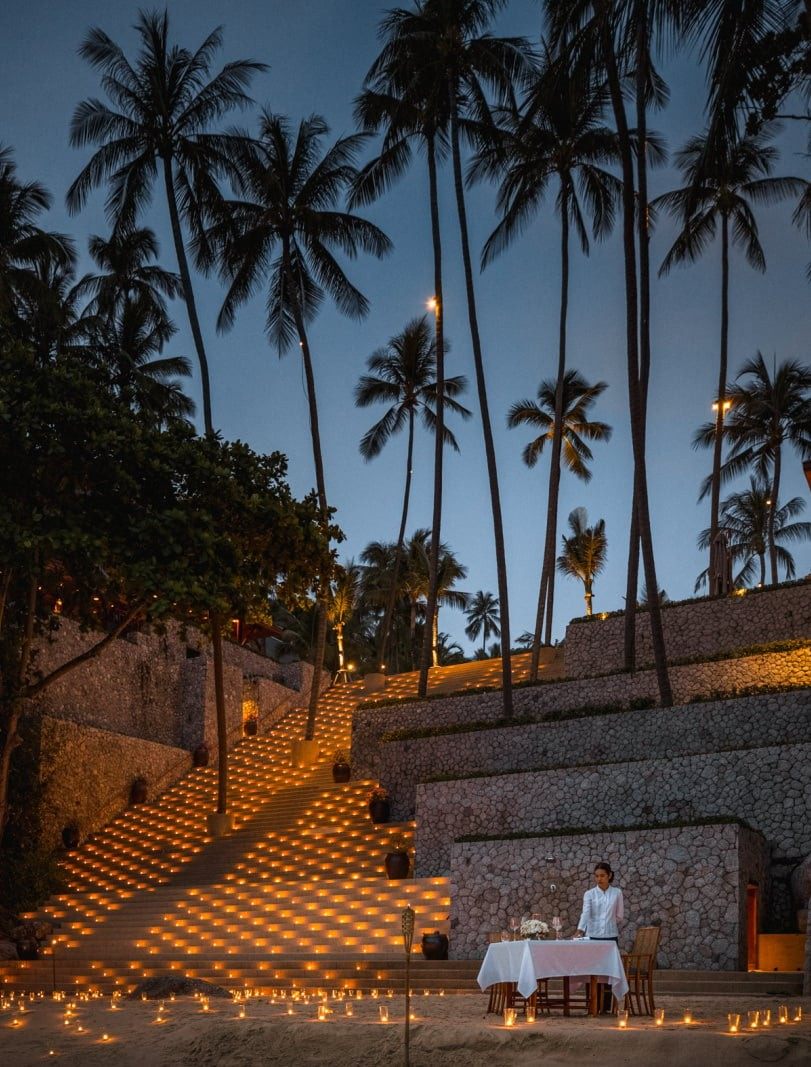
(575, 961)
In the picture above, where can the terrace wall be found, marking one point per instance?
(688, 681)
(696, 628)
(691, 880)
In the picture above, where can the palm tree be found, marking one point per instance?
(410, 111)
(721, 188)
(746, 516)
(449, 652)
(558, 133)
(403, 375)
(24, 245)
(283, 232)
(450, 58)
(483, 617)
(561, 415)
(166, 101)
(767, 411)
(449, 572)
(584, 553)
(343, 602)
(163, 107)
(126, 272)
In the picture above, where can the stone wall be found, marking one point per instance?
(697, 628)
(691, 880)
(766, 787)
(697, 679)
(774, 718)
(86, 774)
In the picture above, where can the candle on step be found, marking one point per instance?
(733, 1022)
(622, 1018)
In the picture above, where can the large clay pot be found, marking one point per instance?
(201, 754)
(138, 792)
(435, 946)
(71, 837)
(341, 772)
(250, 726)
(397, 864)
(380, 811)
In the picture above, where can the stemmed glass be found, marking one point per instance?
(515, 925)
(557, 925)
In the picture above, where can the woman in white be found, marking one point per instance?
(602, 907)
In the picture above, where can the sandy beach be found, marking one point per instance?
(452, 1031)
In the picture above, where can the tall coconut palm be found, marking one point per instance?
(746, 516)
(558, 134)
(607, 35)
(343, 601)
(483, 618)
(721, 189)
(283, 233)
(403, 375)
(584, 553)
(452, 58)
(24, 245)
(126, 272)
(163, 106)
(409, 112)
(767, 411)
(561, 413)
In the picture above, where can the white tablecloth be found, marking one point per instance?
(524, 962)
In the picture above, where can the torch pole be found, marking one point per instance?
(408, 940)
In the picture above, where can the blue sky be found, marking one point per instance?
(318, 53)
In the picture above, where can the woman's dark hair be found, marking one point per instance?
(603, 866)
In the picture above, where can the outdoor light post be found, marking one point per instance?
(408, 940)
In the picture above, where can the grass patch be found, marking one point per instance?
(573, 831)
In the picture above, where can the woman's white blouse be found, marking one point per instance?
(602, 910)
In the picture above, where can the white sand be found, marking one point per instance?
(451, 1031)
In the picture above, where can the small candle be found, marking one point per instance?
(290, 1010)
(622, 1018)
(782, 1013)
(797, 1017)
(322, 1012)
(384, 1013)
(509, 1016)
(688, 1017)
(374, 994)
(659, 1016)
(753, 1019)
(242, 1013)
(766, 1017)
(530, 1013)
(349, 1008)
(734, 1021)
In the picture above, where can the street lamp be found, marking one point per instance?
(432, 304)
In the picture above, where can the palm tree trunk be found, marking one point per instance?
(489, 447)
(632, 342)
(546, 592)
(589, 597)
(715, 495)
(435, 639)
(412, 632)
(439, 430)
(216, 622)
(772, 509)
(339, 641)
(321, 491)
(398, 555)
(762, 557)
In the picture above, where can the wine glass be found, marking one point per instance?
(515, 925)
(557, 925)
(505, 935)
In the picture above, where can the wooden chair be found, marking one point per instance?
(502, 995)
(640, 964)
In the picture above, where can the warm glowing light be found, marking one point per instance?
(727, 404)
(659, 1016)
(622, 1019)
(509, 1016)
(733, 1022)
(688, 1016)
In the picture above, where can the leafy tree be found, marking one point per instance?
(449, 652)
(561, 413)
(483, 618)
(403, 376)
(723, 182)
(767, 411)
(283, 232)
(584, 553)
(746, 516)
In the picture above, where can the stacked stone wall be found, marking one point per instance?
(768, 788)
(688, 681)
(689, 880)
(697, 628)
(86, 774)
(775, 718)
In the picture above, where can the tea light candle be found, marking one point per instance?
(797, 1017)
(384, 1013)
(291, 1010)
(734, 1022)
(242, 1013)
(753, 1019)
(688, 1017)
(659, 1016)
(349, 1008)
(509, 1016)
(374, 994)
(530, 1013)
(321, 1013)
(622, 1018)
(766, 1017)
(782, 1013)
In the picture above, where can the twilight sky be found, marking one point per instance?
(318, 52)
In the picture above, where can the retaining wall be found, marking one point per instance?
(690, 880)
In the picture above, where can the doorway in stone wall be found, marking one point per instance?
(752, 916)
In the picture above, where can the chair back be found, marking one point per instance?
(646, 942)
